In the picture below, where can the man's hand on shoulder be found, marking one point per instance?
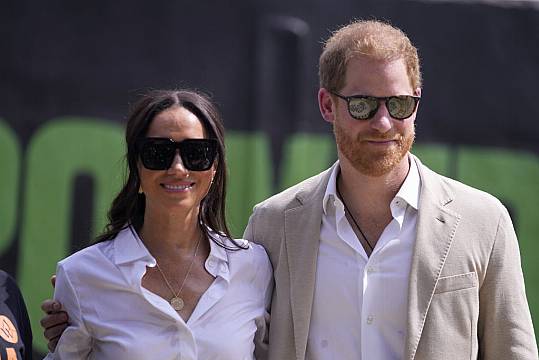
(55, 320)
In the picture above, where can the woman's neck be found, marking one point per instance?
(171, 235)
(371, 194)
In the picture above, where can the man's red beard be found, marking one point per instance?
(367, 159)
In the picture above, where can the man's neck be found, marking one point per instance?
(371, 195)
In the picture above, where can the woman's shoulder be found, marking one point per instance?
(241, 247)
(92, 255)
(89, 253)
(251, 266)
(255, 249)
(102, 252)
(244, 253)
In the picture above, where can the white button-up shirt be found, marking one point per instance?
(113, 317)
(360, 302)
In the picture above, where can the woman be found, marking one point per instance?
(165, 280)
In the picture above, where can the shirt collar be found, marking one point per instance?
(217, 251)
(217, 261)
(409, 191)
(331, 189)
(128, 247)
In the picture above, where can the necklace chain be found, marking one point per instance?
(353, 219)
(177, 302)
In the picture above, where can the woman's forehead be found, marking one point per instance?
(176, 123)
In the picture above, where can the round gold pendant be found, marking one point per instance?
(177, 303)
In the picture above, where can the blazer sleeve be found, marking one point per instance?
(249, 232)
(505, 326)
(75, 342)
(261, 339)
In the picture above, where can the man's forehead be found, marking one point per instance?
(373, 61)
(372, 74)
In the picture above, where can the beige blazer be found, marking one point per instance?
(466, 297)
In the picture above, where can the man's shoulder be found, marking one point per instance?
(301, 192)
(460, 194)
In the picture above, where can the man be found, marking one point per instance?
(378, 257)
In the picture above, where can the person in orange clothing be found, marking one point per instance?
(15, 331)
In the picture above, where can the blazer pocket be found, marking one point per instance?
(456, 282)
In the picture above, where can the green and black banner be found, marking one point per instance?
(70, 70)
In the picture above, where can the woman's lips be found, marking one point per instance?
(178, 187)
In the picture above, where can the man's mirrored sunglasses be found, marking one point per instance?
(363, 107)
(159, 153)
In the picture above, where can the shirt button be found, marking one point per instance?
(370, 319)
(370, 269)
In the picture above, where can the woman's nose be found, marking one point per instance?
(177, 163)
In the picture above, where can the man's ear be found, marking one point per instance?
(326, 105)
(417, 92)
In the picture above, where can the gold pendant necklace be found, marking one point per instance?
(177, 302)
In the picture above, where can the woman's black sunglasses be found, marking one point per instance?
(158, 153)
(363, 107)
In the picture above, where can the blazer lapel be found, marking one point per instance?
(436, 228)
(302, 237)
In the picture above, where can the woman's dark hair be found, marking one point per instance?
(128, 206)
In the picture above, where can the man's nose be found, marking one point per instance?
(381, 121)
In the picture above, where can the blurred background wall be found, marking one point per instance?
(70, 70)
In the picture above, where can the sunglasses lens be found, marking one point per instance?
(401, 107)
(198, 154)
(157, 154)
(362, 107)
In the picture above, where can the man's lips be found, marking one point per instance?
(380, 141)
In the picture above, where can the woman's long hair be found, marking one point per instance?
(128, 206)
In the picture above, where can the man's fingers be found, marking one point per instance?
(50, 306)
(54, 319)
(53, 280)
(52, 333)
(52, 344)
